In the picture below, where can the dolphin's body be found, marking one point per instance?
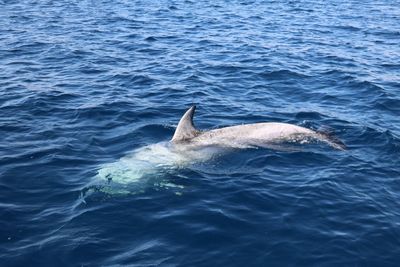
(247, 135)
(189, 145)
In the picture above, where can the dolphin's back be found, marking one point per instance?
(255, 134)
(251, 134)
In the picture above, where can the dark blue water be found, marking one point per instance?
(84, 83)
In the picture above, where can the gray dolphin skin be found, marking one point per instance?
(189, 146)
(264, 134)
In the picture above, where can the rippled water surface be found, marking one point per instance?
(85, 83)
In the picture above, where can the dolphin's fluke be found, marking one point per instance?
(332, 140)
(185, 129)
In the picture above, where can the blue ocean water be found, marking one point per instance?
(84, 83)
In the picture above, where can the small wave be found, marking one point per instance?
(130, 79)
(303, 115)
(366, 88)
(347, 28)
(391, 66)
(388, 104)
(150, 39)
(282, 75)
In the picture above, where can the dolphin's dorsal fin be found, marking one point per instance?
(185, 129)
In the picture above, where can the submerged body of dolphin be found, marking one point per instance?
(190, 145)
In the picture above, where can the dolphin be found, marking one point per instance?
(264, 134)
(189, 145)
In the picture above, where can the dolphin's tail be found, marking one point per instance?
(332, 140)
